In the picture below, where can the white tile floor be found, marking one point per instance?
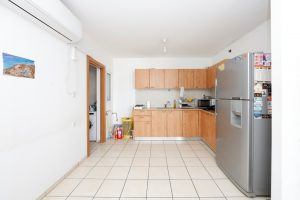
(133, 170)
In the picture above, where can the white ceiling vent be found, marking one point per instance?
(50, 14)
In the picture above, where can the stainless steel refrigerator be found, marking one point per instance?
(244, 112)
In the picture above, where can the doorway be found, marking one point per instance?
(95, 103)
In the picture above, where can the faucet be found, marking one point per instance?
(167, 104)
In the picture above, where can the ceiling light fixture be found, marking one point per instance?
(164, 45)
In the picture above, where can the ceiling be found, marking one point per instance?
(135, 28)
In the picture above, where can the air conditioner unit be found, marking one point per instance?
(52, 15)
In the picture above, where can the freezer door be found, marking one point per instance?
(234, 78)
(233, 141)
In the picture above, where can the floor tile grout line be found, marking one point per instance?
(148, 172)
(128, 174)
(189, 174)
(80, 181)
(106, 174)
(169, 173)
(211, 177)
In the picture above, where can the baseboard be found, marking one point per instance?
(44, 194)
(167, 138)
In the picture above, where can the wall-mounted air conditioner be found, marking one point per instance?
(52, 15)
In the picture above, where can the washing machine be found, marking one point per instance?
(93, 126)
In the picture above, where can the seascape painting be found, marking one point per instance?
(18, 66)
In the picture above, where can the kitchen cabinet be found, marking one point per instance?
(200, 78)
(211, 77)
(159, 121)
(190, 123)
(142, 123)
(200, 123)
(171, 78)
(142, 129)
(142, 78)
(174, 123)
(208, 129)
(186, 78)
(157, 78)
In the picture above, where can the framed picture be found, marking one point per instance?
(18, 66)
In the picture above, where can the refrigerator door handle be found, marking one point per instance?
(236, 98)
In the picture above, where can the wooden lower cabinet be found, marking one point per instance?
(208, 129)
(190, 123)
(142, 129)
(174, 123)
(159, 121)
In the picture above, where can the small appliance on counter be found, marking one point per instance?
(206, 103)
(139, 106)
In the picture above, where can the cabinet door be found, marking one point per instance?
(208, 124)
(174, 123)
(142, 78)
(212, 132)
(142, 129)
(204, 126)
(190, 123)
(211, 77)
(159, 123)
(186, 78)
(200, 123)
(200, 78)
(157, 78)
(171, 78)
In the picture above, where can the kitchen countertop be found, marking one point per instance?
(164, 109)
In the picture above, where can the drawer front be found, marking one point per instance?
(144, 118)
(142, 112)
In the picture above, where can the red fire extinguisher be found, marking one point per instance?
(118, 133)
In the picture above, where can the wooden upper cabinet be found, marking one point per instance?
(211, 76)
(157, 78)
(171, 78)
(186, 78)
(200, 78)
(142, 78)
(190, 123)
(174, 123)
(159, 123)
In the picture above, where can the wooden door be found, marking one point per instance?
(142, 78)
(200, 78)
(159, 123)
(190, 123)
(157, 78)
(186, 78)
(174, 123)
(171, 78)
(142, 129)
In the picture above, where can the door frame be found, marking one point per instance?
(91, 62)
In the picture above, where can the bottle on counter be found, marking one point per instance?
(148, 105)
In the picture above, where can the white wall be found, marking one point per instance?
(38, 143)
(286, 87)
(259, 39)
(124, 97)
(93, 86)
